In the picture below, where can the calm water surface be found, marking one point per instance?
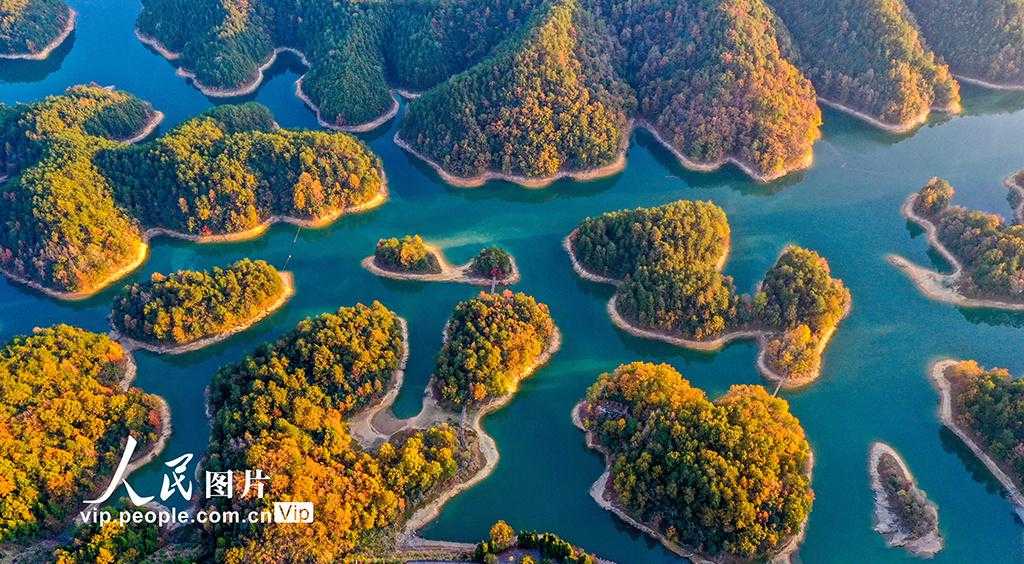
(873, 387)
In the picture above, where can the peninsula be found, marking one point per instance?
(188, 310)
(32, 29)
(411, 258)
(86, 200)
(903, 513)
(666, 264)
(738, 499)
(85, 453)
(986, 253)
(348, 366)
(981, 407)
(505, 544)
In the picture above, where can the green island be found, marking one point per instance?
(532, 91)
(982, 40)
(188, 310)
(666, 265)
(312, 405)
(720, 481)
(82, 200)
(55, 451)
(505, 544)
(412, 258)
(983, 409)
(985, 252)
(903, 513)
(32, 29)
(876, 66)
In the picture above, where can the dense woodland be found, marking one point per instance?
(491, 342)
(232, 169)
(980, 39)
(54, 450)
(76, 200)
(408, 254)
(282, 410)
(493, 262)
(189, 305)
(668, 261)
(728, 477)
(991, 250)
(29, 26)
(988, 403)
(112, 543)
(875, 61)
(549, 546)
(61, 225)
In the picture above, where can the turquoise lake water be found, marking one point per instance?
(873, 387)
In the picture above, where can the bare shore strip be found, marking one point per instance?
(937, 374)
(143, 249)
(706, 345)
(449, 272)
(377, 423)
(147, 129)
(885, 521)
(990, 85)
(895, 128)
(609, 169)
(247, 87)
(936, 286)
(156, 45)
(601, 492)
(288, 290)
(391, 112)
(51, 46)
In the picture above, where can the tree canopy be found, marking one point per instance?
(55, 448)
(491, 342)
(493, 262)
(189, 305)
(728, 477)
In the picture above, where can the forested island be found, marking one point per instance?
(55, 450)
(666, 265)
(985, 252)
(903, 513)
(983, 409)
(982, 40)
(492, 342)
(412, 258)
(723, 480)
(32, 29)
(531, 547)
(875, 65)
(81, 202)
(188, 309)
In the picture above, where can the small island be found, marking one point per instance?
(188, 310)
(735, 473)
(982, 408)
(411, 258)
(1015, 183)
(314, 403)
(32, 29)
(44, 390)
(666, 265)
(986, 253)
(84, 197)
(903, 513)
(528, 547)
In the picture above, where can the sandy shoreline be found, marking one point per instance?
(599, 491)
(934, 285)
(705, 345)
(937, 374)
(288, 290)
(449, 272)
(610, 169)
(885, 521)
(45, 51)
